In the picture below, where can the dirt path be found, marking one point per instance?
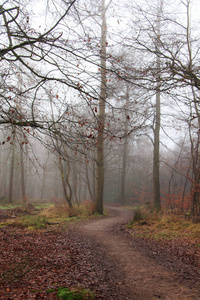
(140, 276)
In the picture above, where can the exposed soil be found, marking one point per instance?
(98, 254)
(142, 275)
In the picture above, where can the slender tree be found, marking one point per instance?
(156, 152)
(12, 162)
(101, 116)
(125, 152)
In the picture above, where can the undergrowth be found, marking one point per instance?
(50, 215)
(163, 226)
(9, 206)
(83, 210)
(28, 221)
(74, 294)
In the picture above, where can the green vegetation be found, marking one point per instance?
(65, 293)
(40, 216)
(43, 205)
(76, 294)
(37, 222)
(30, 222)
(9, 206)
(163, 226)
(84, 210)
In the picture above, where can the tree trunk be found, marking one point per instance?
(88, 182)
(75, 183)
(10, 199)
(65, 182)
(94, 179)
(156, 156)
(156, 152)
(194, 142)
(125, 153)
(101, 118)
(123, 175)
(3, 174)
(23, 188)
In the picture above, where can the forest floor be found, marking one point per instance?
(100, 255)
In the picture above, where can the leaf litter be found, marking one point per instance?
(36, 262)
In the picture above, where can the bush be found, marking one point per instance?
(56, 211)
(83, 210)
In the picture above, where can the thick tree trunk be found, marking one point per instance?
(101, 118)
(195, 143)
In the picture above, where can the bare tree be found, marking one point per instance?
(125, 151)
(101, 117)
(12, 161)
(156, 156)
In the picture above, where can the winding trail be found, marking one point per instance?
(142, 277)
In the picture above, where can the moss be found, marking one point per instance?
(74, 294)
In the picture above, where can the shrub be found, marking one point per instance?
(56, 211)
(83, 210)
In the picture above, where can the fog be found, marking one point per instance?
(99, 102)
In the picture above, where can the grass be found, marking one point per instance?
(10, 206)
(43, 205)
(163, 226)
(74, 294)
(84, 210)
(30, 222)
(50, 214)
(14, 205)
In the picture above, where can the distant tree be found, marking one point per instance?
(157, 122)
(125, 149)
(12, 163)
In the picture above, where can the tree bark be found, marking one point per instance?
(23, 188)
(156, 155)
(101, 117)
(65, 182)
(125, 153)
(88, 182)
(194, 148)
(10, 199)
(156, 152)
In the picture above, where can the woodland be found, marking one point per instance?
(99, 121)
(100, 102)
